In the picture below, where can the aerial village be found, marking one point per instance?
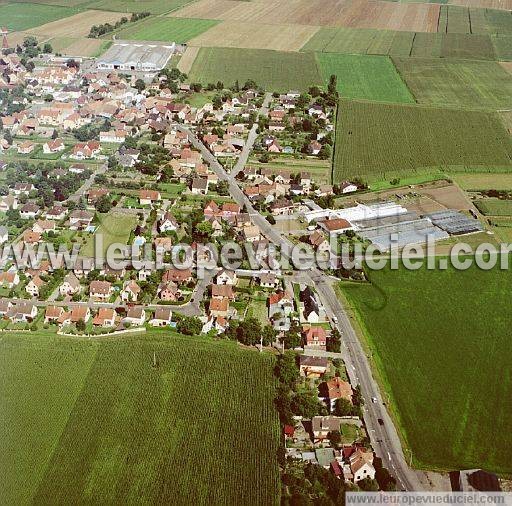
(144, 158)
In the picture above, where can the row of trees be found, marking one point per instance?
(99, 30)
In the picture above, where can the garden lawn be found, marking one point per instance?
(167, 29)
(441, 343)
(199, 428)
(365, 77)
(22, 16)
(274, 70)
(113, 227)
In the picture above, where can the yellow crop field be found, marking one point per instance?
(255, 36)
(78, 25)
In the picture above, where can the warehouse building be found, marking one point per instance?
(133, 57)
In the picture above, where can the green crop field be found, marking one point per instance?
(456, 19)
(167, 29)
(365, 77)
(22, 16)
(274, 70)
(92, 421)
(114, 228)
(494, 207)
(152, 6)
(40, 380)
(445, 365)
(375, 139)
(410, 44)
(503, 47)
(66, 3)
(468, 84)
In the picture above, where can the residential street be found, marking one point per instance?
(246, 151)
(384, 437)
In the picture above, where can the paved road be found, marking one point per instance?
(251, 138)
(88, 183)
(383, 434)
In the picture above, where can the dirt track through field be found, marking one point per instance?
(188, 58)
(255, 36)
(414, 17)
(507, 65)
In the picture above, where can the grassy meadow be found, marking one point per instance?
(375, 139)
(114, 227)
(22, 16)
(274, 70)
(444, 364)
(106, 427)
(365, 77)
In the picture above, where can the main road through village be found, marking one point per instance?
(382, 432)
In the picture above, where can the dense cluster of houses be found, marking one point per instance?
(311, 441)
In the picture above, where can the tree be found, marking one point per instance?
(140, 85)
(269, 335)
(223, 188)
(335, 438)
(8, 137)
(248, 332)
(103, 204)
(286, 370)
(30, 41)
(47, 48)
(334, 341)
(219, 85)
(80, 325)
(72, 63)
(332, 86)
(264, 158)
(189, 325)
(368, 485)
(357, 397)
(325, 152)
(204, 229)
(303, 100)
(343, 407)
(307, 404)
(217, 102)
(250, 85)
(383, 476)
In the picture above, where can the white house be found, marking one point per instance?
(135, 316)
(225, 277)
(70, 285)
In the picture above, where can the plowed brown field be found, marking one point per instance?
(345, 13)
